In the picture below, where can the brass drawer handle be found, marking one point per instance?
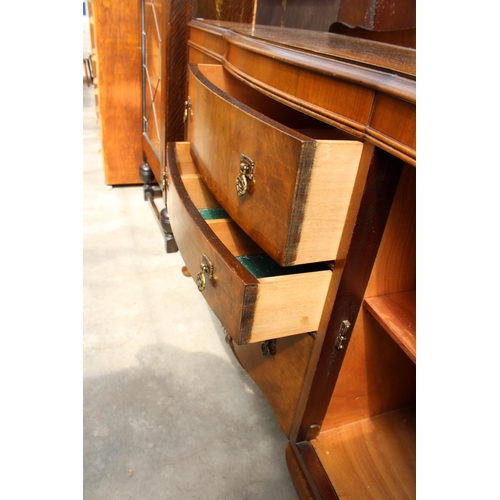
(206, 267)
(246, 174)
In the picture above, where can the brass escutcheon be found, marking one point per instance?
(206, 267)
(187, 109)
(246, 174)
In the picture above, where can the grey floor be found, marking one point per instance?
(168, 413)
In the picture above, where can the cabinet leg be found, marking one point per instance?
(148, 179)
(170, 244)
(152, 191)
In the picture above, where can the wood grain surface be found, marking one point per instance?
(251, 310)
(396, 312)
(354, 84)
(296, 174)
(118, 41)
(280, 376)
(372, 458)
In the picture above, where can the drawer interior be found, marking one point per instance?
(270, 108)
(244, 249)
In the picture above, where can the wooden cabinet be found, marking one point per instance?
(270, 94)
(115, 29)
(365, 442)
(287, 162)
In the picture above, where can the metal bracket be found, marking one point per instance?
(342, 335)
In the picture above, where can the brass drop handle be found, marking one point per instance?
(206, 267)
(246, 174)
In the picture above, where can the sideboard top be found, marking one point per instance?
(384, 56)
(364, 87)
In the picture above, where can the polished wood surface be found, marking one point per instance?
(355, 414)
(116, 27)
(396, 312)
(252, 310)
(314, 72)
(178, 15)
(373, 458)
(373, 15)
(231, 237)
(297, 474)
(320, 14)
(212, 37)
(395, 268)
(402, 38)
(381, 185)
(376, 376)
(241, 11)
(297, 171)
(235, 286)
(279, 376)
(366, 384)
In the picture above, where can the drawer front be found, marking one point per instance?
(253, 303)
(274, 178)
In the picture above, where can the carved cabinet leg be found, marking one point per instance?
(170, 244)
(146, 174)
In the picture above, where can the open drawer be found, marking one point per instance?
(284, 177)
(254, 298)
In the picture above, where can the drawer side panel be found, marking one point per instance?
(340, 168)
(303, 298)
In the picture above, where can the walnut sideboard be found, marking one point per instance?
(292, 201)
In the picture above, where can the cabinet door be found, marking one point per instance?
(153, 32)
(164, 58)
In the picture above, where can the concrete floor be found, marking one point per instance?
(168, 413)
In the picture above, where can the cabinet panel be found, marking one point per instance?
(280, 374)
(118, 48)
(372, 458)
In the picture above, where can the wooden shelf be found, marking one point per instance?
(396, 313)
(372, 458)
